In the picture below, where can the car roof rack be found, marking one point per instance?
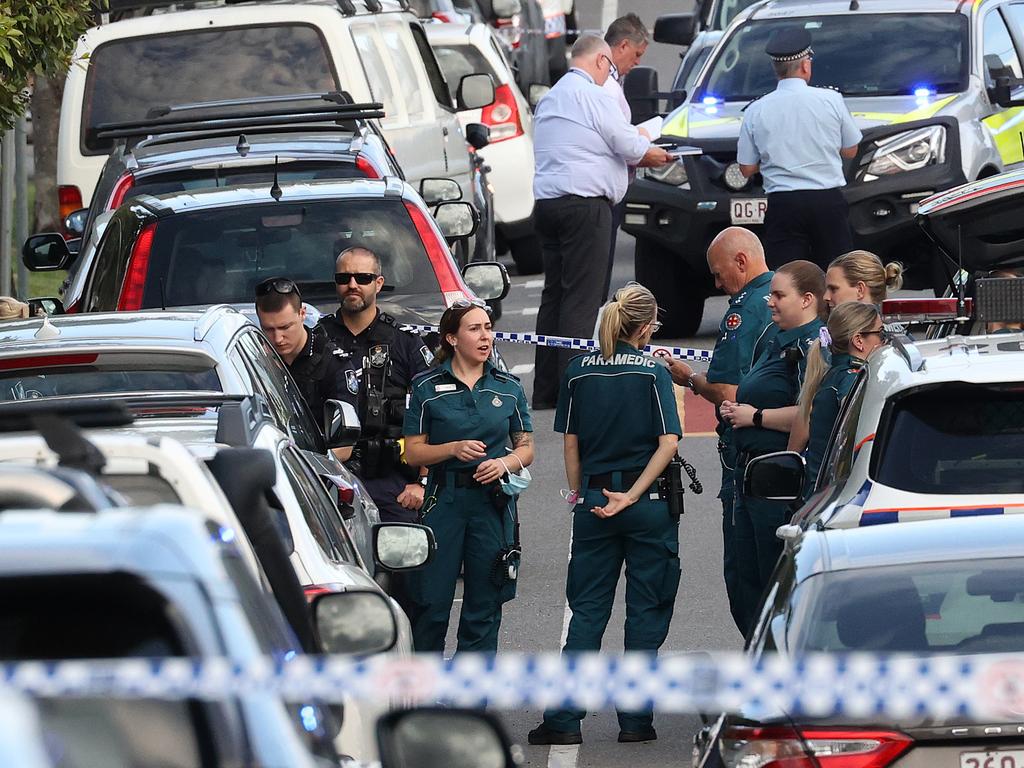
(20, 415)
(218, 117)
(347, 7)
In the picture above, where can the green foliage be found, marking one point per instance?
(37, 37)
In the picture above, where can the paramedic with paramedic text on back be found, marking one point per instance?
(384, 359)
(462, 415)
(797, 137)
(617, 411)
(582, 144)
(736, 261)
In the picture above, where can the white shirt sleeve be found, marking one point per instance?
(623, 138)
(746, 150)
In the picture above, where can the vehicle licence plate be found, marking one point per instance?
(748, 210)
(1004, 758)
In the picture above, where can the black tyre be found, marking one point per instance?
(680, 292)
(527, 254)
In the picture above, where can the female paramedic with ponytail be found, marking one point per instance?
(617, 410)
(460, 419)
(854, 331)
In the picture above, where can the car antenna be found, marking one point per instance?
(242, 147)
(854, 5)
(275, 190)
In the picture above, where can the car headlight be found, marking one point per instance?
(673, 173)
(907, 151)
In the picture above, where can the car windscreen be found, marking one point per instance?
(966, 439)
(907, 53)
(727, 10)
(94, 373)
(173, 182)
(130, 76)
(219, 255)
(938, 607)
(457, 61)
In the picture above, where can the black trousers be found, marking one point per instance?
(811, 224)
(574, 232)
(618, 212)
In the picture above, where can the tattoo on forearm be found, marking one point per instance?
(521, 439)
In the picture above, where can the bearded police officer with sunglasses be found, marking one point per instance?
(319, 368)
(383, 359)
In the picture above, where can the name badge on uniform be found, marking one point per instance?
(445, 387)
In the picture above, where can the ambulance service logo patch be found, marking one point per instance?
(733, 321)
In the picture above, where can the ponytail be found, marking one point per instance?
(624, 317)
(817, 367)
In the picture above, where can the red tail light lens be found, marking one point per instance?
(69, 199)
(138, 267)
(437, 251)
(923, 310)
(315, 590)
(47, 361)
(366, 168)
(503, 115)
(120, 192)
(783, 747)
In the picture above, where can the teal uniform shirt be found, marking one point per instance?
(835, 386)
(618, 408)
(774, 382)
(445, 409)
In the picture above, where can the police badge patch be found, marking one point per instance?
(733, 321)
(352, 381)
(379, 356)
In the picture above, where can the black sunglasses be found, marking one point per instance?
(277, 285)
(363, 278)
(883, 335)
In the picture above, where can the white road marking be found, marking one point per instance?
(532, 284)
(531, 310)
(522, 369)
(564, 756)
(609, 12)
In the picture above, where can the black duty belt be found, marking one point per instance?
(605, 479)
(461, 478)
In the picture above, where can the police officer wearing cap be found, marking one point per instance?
(383, 359)
(316, 364)
(618, 413)
(796, 137)
(462, 417)
(736, 260)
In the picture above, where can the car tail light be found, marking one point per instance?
(440, 259)
(120, 191)
(366, 167)
(924, 310)
(784, 747)
(47, 361)
(138, 268)
(442, 16)
(503, 115)
(69, 199)
(315, 590)
(73, 308)
(509, 30)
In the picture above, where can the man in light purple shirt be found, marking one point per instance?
(628, 39)
(582, 146)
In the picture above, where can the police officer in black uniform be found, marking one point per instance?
(319, 368)
(385, 359)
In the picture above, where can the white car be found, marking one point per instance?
(464, 50)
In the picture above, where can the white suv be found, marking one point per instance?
(374, 50)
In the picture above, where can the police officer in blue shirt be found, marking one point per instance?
(736, 260)
(762, 416)
(460, 418)
(797, 136)
(617, 411)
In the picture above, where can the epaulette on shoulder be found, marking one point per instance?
(422, 376)
(508, 375)
(387, 319)
(756, 98)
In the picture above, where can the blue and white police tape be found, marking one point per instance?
(567, 342)
(819, 685)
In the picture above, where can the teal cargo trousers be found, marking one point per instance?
(645, 538)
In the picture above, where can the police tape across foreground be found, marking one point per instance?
(817, 685)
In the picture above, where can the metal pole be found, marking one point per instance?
(6, 209)
(21, 201)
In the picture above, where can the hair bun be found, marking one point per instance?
(893, 276)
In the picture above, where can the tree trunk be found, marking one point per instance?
(46, 98)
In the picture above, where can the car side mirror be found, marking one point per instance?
(45, 305)
(434, 191)
(675, 28)
(74, 222)
(475, 91)
(402, 546)
(778, 476)
(488, 280)
(535, 93)
(434, 737)
(478, 135)
(640, 87)
(47, 252)
(505, 9)
(356, 622)
(456, 219)
(341, 424)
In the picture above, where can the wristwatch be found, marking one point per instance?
(423, 481)
(758, 418)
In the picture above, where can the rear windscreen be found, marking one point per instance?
(954, 439)
(219, 255)
(457, 61)
(129, 77)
